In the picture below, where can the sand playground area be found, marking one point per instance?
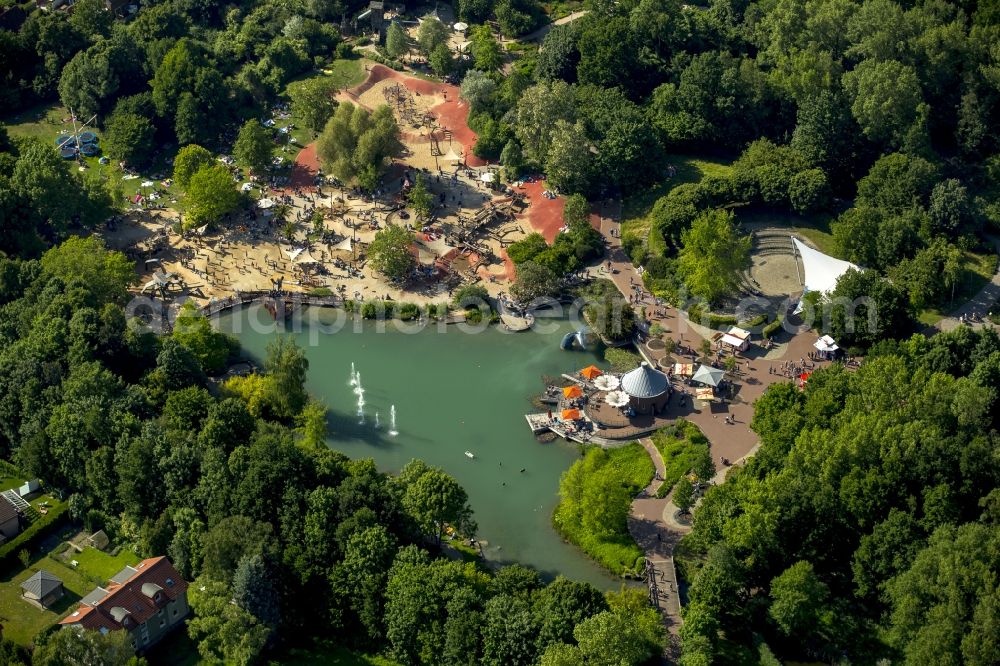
(464, 242)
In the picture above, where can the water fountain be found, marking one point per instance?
(360, 392)
(376, 420)
(354, 376)
(392, 421)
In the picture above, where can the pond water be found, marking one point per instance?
(453, 391)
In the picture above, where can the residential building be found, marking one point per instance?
(148, 601)
(10, 520)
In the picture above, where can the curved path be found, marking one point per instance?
(979, 304)
(648, 527)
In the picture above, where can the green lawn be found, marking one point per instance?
(44, 122)
(343, 73)
(176, 649)
(22, 621)
(8, 482)
(635, 209)
(102, 566)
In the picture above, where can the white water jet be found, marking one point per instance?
(376, 420)
(392, 421)
(360, 392)
(354, 376)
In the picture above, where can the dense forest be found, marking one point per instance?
(867, 525)
(882, 114)
(234, 486)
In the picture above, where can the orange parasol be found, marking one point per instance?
(590, 372)
(570, 414)
(573, 391)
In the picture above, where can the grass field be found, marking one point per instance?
(103, 566)
(636, 209)
(46, 122)
(22, 621)
(343, 74)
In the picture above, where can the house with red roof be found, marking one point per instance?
(148, 600)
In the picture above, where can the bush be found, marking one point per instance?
(345, 51)
(408, 312)
(471, 296)
(684, 448)
(371, 309)
(621, 360)
(698, 315)
(772, 328)
(759, 320)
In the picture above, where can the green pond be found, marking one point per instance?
(453, 391)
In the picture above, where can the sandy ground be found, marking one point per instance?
(253, 253)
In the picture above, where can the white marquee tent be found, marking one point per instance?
(821, 271)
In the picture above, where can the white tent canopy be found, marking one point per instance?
(733, 341)
(821, 271)
(826, 344)
(345, 245)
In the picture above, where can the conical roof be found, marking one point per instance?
(644, 382)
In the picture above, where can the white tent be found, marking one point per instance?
(345, 245)
(265, 203)
(488, 177)
(821, 271)
(826, 346)
(452, 156)
(293, 254)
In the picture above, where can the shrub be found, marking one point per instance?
(408, 311)
(684, 448)
(471, 296)
(772, 328)
(621, 360)
(321, 291)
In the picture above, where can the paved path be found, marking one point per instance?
(980, 304)
(645, 524)
(539, 34)
(651, 520)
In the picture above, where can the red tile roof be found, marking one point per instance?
(129, 595)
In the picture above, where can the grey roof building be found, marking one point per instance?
(42, 588)
(648, 389)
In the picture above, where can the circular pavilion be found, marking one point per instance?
(648, 389)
